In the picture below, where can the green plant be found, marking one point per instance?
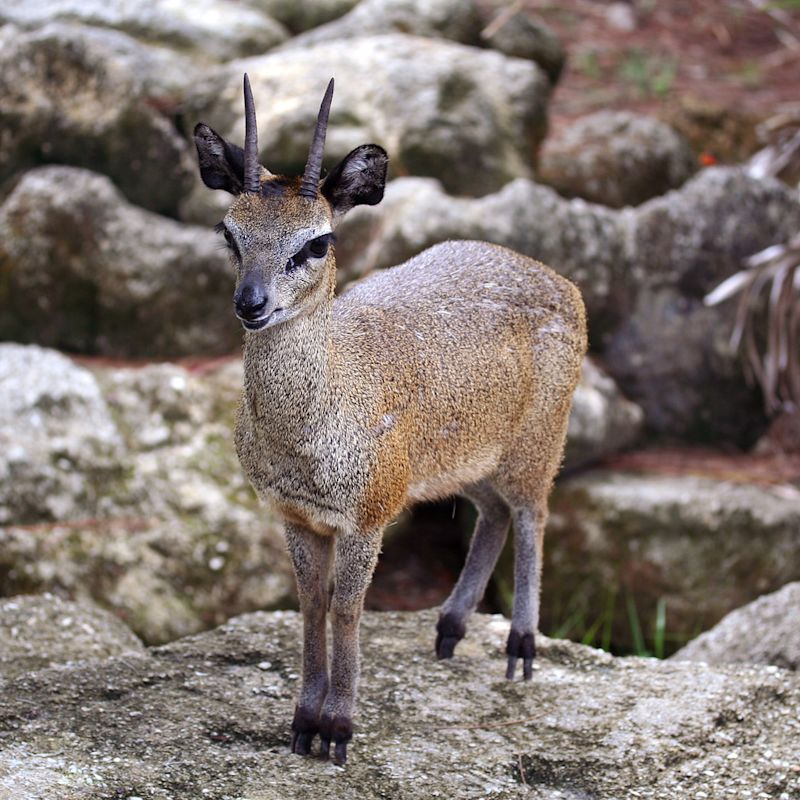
(651, 75)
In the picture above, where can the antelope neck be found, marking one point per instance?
(287, 367)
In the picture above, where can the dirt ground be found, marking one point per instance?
(661, 56)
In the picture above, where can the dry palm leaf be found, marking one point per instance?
(770, 285)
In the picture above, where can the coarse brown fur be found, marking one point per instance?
(450, 374)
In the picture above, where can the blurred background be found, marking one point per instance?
(650, 151)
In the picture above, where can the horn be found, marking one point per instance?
(251, 165)
(310, 182)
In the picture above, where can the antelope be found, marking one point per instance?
(452, 373)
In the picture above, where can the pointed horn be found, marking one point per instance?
(310, 183)
(252, 169)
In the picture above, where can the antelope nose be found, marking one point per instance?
(250, 302)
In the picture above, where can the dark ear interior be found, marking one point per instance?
(358, 179)
(221, 163)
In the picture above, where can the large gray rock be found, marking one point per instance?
(98, 99)
(208, 716)
(84, 270)
(616, 158)
(39, 631)
(766, 631)
(461, 21)
(301, 15)
(602, 421)
(672, 355)
(123, 487)
(473, 118)
(60, 451)
(703, 546)
(458, 20)
(220, 29)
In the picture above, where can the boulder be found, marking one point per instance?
(83, 270)
(302, 15)
(122, 486)
(209, 716)
(522, 36)
(219, 29)
(672, 355)
(602, 421)
(457, 20)
(616, 158)
(60, 452)
(97, 99)
(473, 118)
(702, 546)
(461, 21)
(765, 631)
(38, 631)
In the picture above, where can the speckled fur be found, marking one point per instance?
(452, 373)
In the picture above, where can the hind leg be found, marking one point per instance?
(487, 542)
(529, 522)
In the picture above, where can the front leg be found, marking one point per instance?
(311, 558)
(356, 555)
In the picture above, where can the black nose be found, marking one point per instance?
(250, 302)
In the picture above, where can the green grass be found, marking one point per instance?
(640, 637)
(651, 76)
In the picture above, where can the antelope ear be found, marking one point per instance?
(221, 163)
(358, 179)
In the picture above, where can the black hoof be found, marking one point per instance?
(340, 731)
(520, 645)
(449, 632)
(304, 728)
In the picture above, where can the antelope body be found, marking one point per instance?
(450, 374)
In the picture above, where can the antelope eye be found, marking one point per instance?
(228, 238)
(318, 247)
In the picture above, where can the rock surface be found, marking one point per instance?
(616, 158)
(209, 716)
(705, 547)
(85, 271)
(301, 15)
(123, 487)
(98, 99)
(220, 29)
(38, 631)
(473, 118)
(766, 631)
(602, 421)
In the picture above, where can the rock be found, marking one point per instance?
(60, 451)
(616, 158)
(220, 29)
(160, 526)
(703, 546)
(458, 20)
(98, 99)
(38, 631)
(587, 725)
(602, 421)
(672, 355)
(301, 15)
(522, 36)
(85, 271)
(762, 632)
(717, 133)
(473, 118)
